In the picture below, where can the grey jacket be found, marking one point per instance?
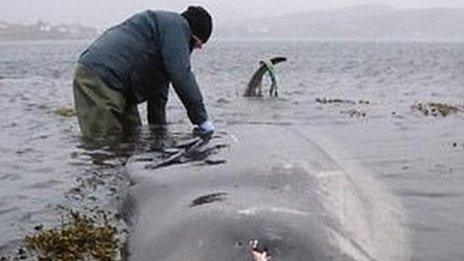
(142, 56)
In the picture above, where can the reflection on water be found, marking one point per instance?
(44, 162)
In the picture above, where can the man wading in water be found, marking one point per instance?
(135, 62)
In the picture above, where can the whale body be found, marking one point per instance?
(276, 187)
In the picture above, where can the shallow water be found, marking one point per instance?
(419, 158)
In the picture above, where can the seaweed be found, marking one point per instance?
(435, 109)
(354, 113)
(79, 238)
(65, 112)
(340, 101)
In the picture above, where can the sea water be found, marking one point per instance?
(419, 158)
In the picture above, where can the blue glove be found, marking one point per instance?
(204, 130)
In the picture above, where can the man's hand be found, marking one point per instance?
(204, 130)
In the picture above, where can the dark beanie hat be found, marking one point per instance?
(200, 22)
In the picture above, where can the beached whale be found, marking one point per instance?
(275, 188)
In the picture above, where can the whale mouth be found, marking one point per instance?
(258, 252)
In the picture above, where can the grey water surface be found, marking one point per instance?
(44, 163)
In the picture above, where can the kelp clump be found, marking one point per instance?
(81, 238)
(435, 109)
(341, 101)
(65, 112)
(354, 113)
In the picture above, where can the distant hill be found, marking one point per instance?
(44, 31)
(357, 22)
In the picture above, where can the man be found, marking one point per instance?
(136, 61)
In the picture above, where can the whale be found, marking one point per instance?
(274, 191)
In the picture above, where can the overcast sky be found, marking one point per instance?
(102, 13)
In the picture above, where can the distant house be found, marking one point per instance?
(42, 31)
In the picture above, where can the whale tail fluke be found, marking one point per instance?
(254, 87)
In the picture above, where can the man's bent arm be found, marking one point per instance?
(175, 50)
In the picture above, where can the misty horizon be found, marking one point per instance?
(363, 22)
(100, 16)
